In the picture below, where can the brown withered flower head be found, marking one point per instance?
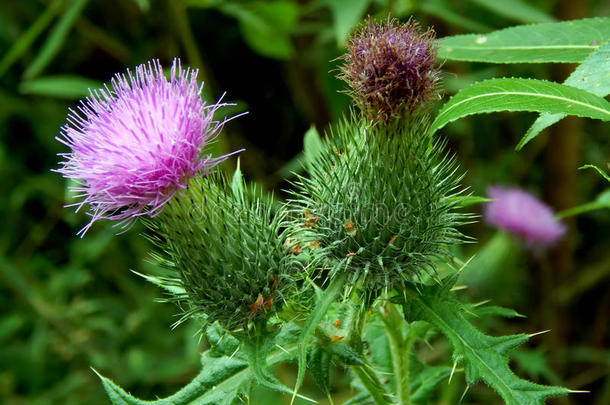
(389, 68)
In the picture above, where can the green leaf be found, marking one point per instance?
(600, 171)
(468, 200)
(237, 183)
(312, 146)
(567, 41)
(55, 40)
(495, 310)
(516, 10)
(144, 5)
(443, 10)
(602, 201)
(485, 357)
(515, 94)
(65, 86)
(424, 379)
(345, 354)
(266, 26)
(346, 14)
(171, 285)
(223, 379)
(324, 299)
(593, 75)
(318, 365)
(25, 41)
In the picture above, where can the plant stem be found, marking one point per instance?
(399, 347)
(372, 384)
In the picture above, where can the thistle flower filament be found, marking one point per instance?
(135, 144)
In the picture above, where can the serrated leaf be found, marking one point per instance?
(64, 86)
(318, 365)
(266, 25)
(566, 41)
(516, 10)
(54, 41)
(593, 75)
(257, 348)
(346, 14)
(222, 379)
(485, 357)
(324, 299)
(345, 354)
(516, 94)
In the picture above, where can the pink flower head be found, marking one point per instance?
(135, 145)
(524, 216)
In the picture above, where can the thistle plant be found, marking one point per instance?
(355, 268)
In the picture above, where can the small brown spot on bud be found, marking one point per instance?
(314, 244)
(335, 338)
(337, 323)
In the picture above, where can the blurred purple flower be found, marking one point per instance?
(524, 216)
(135, 145)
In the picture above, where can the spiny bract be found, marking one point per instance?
(227, 251)
(380, 202)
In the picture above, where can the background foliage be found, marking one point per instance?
(68, 304)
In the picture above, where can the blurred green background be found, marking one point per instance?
(69, 304)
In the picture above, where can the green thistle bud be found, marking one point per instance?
(389, 68)
(226, 250)
(383, 198)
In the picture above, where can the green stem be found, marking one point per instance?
(372, 384)
(399, 347)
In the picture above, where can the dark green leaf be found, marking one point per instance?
(443, 10)
(70, 87)
(593, 75)
(485, 357)
(266, 26)
(318, 365)
(325, 298)
(516, 94)
(567, 41)
(55, 40)
(346, 15)
(516, 10)
(25, 41)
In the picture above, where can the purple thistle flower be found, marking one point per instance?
(524, 216)
(389, 68)
(135, 145)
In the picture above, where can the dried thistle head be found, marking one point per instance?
(389, 68)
